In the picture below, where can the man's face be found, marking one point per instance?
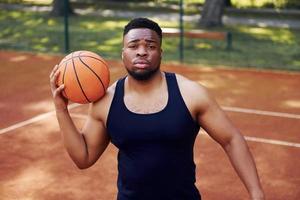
(141, 53)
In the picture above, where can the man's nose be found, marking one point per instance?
(142, 51)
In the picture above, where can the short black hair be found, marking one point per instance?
(143, 23)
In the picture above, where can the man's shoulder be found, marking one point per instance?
(189, 85)
(193, 92)
(107, 98)
(100, 108)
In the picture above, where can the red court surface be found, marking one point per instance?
(34, 165)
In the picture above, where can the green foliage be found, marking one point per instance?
(11, 1)
(252, 46)
(266, 3)
(235, 3)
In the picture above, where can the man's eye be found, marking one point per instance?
(132, 46)
(152, 47)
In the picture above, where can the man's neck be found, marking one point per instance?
(144, 86)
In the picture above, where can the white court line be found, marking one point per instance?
(32, 120)
(248, 138)
(231, 109)
(261, 112)
(270, 141)
(240, 110)
(226, 108)
(264, 140)
(26, 122)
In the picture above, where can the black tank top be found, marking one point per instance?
(155, 158)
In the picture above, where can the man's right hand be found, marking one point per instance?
(59, 100)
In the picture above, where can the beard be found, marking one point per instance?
(142, 75)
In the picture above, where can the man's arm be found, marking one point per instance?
(214, 121)
(219, 127)
(87, 145)
(83, 147)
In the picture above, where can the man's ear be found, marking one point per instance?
(122, 53)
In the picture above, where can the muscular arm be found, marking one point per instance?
(219, 127)
(214, 121)
(86, 146)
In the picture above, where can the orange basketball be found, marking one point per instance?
(85, 75)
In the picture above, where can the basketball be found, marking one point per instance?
(85, 75)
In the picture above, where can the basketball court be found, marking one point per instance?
(34, 165)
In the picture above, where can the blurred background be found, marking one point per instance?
(265, 33)
(265, 106)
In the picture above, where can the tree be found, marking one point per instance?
(228, 3)
(58, 8)
(212, 13)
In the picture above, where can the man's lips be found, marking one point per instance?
(141, 64)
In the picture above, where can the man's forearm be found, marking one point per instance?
(73, 140)
(242, 161)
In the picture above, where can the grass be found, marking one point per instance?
(254, 47)
(235, 3)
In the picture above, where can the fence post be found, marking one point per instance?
(181, 45)
(229, 41)
(66, 25)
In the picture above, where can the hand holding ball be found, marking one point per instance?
(85, 76)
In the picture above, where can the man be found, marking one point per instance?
(153, 117)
